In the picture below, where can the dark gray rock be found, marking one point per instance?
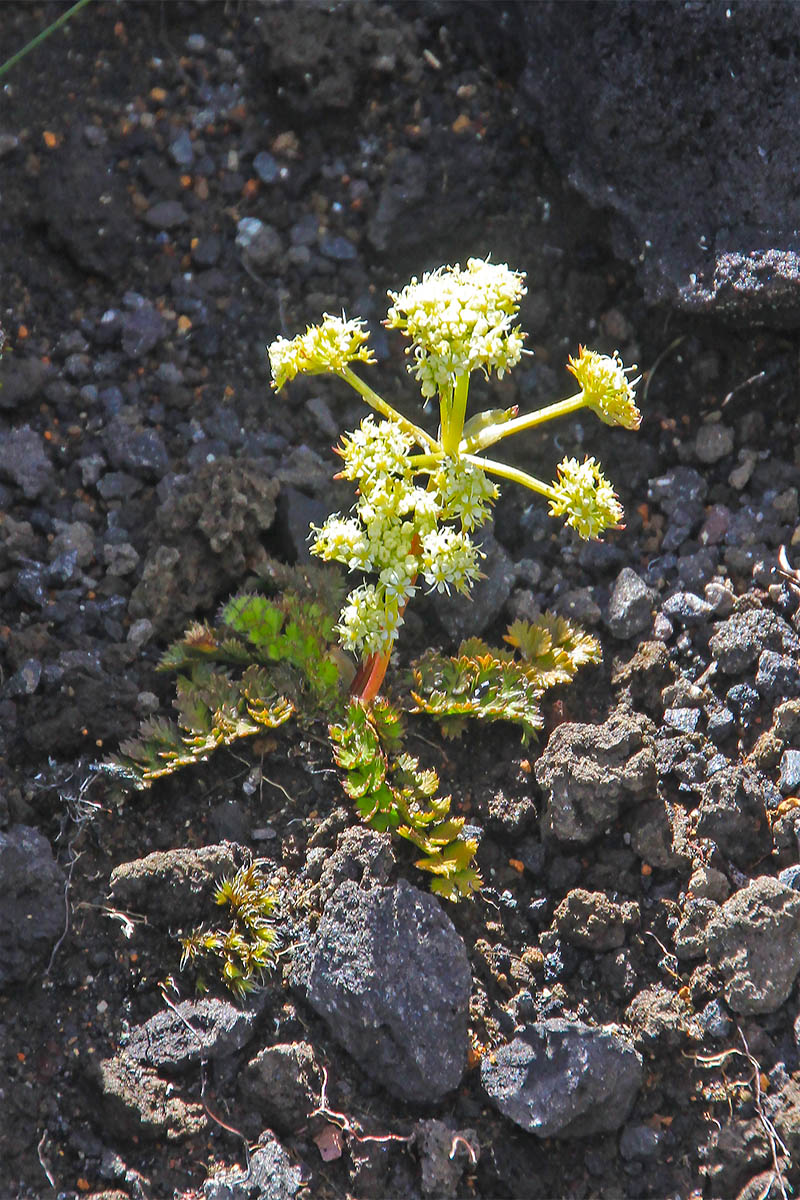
(716, 235)
(23, 461)
(778, 676)
(143, 327)
(389, 973)
(732, 813)
(167, 1043)
(32, 904)
(170, 885)
(166, 214)
(690, 936)
(282, 1085)
(737, 643)
(444, 1155)
(564, 1079)
(630, 605)
(590, 772)
(362, 855)
(271, 1175)
(687, 609)
(639, 1142)
(592, 920)
(659, 833)
(659, 1020)
(87, 208)
(789, 781)
(23, 379)
(754, 942)
(713, 442)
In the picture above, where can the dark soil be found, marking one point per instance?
(138, 445)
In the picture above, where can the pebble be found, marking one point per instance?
(778, 676)
(181, 150)
(337, 248)
(629, 608)
(165, 215)
(684, 719)
(266, 167)
(789, 781)
(687, 609)
(713, 442)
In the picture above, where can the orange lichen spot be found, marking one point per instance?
(184, 324)
(186, 181)
(250, 189)
(229, 392)
(525, 766)
(462, 124)
(20, 1056)
(158, 94)
(82, 1184)
(22, 333)
(516, 865)
(50, 139)
(646, 869)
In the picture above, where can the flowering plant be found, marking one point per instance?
(419, 497)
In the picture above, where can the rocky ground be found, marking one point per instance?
(615, 1015)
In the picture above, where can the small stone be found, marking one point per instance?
(754, 941)
(266, 167)
(713, 442)
(23, 461)
(709, 884)
(166, 214)
(720, 598)
(639, 1142)
(684, 719)
(592, 920)
(630, 605)
(789, 782)
(687, 609)
(181, 150)
(338, 248)
(778, 676)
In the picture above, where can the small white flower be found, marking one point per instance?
(459, 321)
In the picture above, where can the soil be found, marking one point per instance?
(147, 471)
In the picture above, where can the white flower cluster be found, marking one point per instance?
(606, 389)
(460, 321)
(585, 497)
(396, 531)
(329, 346)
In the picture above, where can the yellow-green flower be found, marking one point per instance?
(606, 387)
(327, 347)
(585, 498)
(460, 321)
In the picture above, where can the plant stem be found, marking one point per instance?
(453, 408)
(380, 405)
(487, 437)
(512, 473)
(40, 37)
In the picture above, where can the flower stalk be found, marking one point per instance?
(420, 498)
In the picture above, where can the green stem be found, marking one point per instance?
(512, 473)
(453, 410)
(40, 37)
(380, 405)
(494, 433)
